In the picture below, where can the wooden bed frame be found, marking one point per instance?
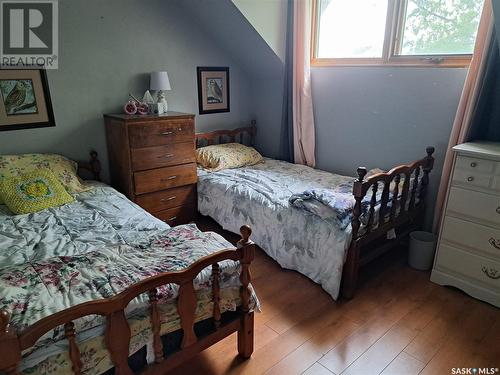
(368, 242)
(117, 334)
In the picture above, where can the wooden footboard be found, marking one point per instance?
(396, 198)
(118, 333)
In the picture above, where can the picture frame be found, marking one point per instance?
(213, 89)
(25, 101)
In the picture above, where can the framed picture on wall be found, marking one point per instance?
(25, 99)
(213, 89)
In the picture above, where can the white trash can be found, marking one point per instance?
(422, 248)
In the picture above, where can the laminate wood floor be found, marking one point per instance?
(397, 323)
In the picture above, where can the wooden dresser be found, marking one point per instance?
(152, 161)
(468, 254)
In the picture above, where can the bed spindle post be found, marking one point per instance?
(216, 294)
(118, 341)
(383, 203)
(186, 307)
(351, 266)
(245, 333)
(404, 194)
(429, 164)
(9, 346)
(395, 196)
(95, 165)
(253, 132)
(74, 352)
(155, 325)
(414, 189)
(373, 203)
(210, 142)
(232, 138)
(359, 194)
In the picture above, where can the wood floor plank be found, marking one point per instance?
(382, 353)
(429, 341)
(347, 352)
(404, 364)
(461, 346)
(269, 355)
(312, 350)
(317, 369)
(389, 346)
(301, 329)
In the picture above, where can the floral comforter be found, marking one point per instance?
(91, 249)
(259, 195)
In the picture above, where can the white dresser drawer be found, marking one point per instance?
(475, 237)
(471, 266)
(475, 205)
(475, 165)
(467, 178)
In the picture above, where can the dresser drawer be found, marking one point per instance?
(162, 156)
(159, 133)
(481, 206)
(473, 267)
(468, 178)
(177, 215)
(475, 165)
(475, 237)
(164, 178)
(162, 200)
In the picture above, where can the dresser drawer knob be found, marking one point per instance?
(495, 243)
(473, 164)
(174, 177)
(167, 133)
(498, 210)
(491, 273)
(171, 219)
(470, 178)
(166, 156)
(168, 199)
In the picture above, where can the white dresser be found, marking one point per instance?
(468, 252)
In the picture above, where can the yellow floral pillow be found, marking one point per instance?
(230, 155)
(33, 191)
(63, 168)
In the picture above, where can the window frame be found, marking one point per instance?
(395, 20)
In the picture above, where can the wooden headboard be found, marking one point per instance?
(244, 135)
(91, 167)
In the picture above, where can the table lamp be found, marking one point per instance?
(159, 82)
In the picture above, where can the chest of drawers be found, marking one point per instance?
(468, 253)
(152, 161)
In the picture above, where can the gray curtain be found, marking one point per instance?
(286, 142)
(485, 125)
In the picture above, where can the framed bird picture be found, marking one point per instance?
(25, 99)
(213, 89)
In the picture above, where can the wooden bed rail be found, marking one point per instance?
(225, 136)
(397, 204)
(117, 335)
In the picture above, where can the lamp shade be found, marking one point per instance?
(159, 81)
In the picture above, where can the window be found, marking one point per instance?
(397, 32)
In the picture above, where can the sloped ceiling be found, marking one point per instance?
(268, 17)
(232, 32)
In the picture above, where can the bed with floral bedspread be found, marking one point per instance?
(92, 249)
